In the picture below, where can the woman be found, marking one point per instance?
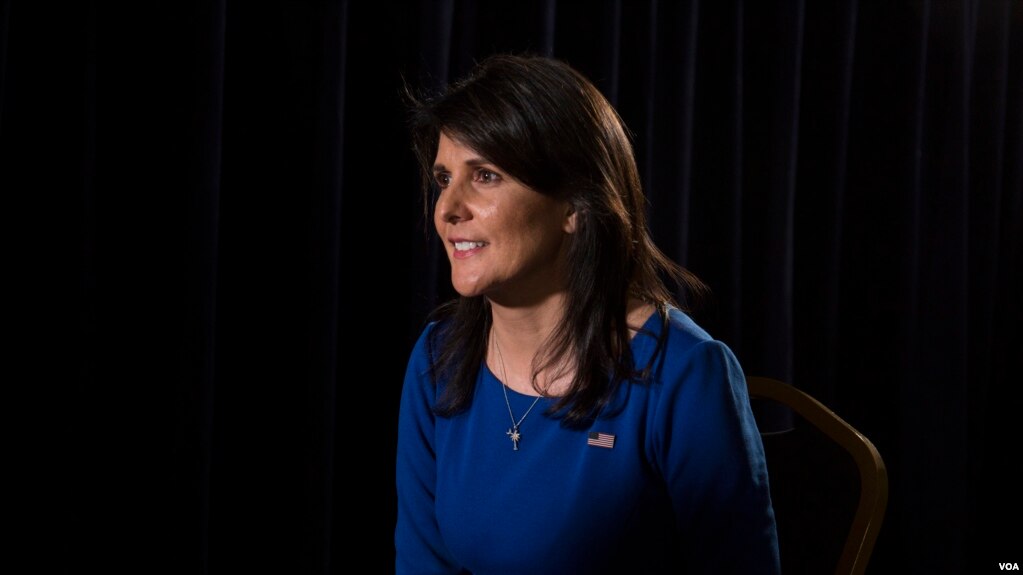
(562, 416)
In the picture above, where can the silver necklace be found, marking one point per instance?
(513, 431)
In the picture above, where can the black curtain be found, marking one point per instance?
(221, 262)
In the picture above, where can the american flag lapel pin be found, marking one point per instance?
(598, 439)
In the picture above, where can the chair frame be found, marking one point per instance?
(870, 510)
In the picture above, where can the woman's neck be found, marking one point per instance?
(519, 338)
(521, 335)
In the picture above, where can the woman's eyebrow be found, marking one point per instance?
(473, 162)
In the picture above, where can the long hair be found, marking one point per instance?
(550, 128)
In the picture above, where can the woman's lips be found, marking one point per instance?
(466, 248)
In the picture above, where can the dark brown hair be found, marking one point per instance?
(550, 128)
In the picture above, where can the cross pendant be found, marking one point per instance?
(513, 433)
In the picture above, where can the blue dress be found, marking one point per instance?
(670, 478)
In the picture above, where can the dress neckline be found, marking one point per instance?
(649, 332)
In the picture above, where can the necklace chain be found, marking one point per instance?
(513, 431)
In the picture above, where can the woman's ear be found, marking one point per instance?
(570, 216)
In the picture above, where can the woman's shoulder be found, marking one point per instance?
(686, 328)
(680, 331)
(687, 343)
(420, 372)
(429, 340)
(424, 351)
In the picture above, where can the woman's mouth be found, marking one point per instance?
(464, 249)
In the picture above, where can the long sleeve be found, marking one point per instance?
(681, 486)
(418, 543)
(708, 450)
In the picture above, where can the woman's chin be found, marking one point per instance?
(468, 289)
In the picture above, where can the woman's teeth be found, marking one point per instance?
(464, 246)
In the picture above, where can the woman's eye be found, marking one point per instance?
(442, 180)
(486, 176)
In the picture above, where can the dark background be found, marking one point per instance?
(220, 258)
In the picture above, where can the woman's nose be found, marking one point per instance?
(451, 207)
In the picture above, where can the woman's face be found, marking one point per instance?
(504, 240)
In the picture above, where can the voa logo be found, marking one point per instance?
(1009, 566)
